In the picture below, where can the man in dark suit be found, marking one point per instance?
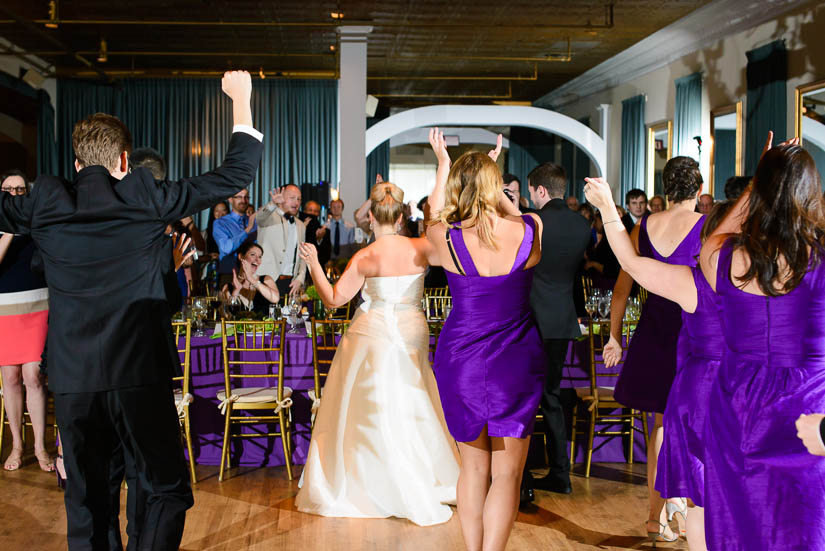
(635, 202)
(316, 234)
(111, 351)
(564, 239)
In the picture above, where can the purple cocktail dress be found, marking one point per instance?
(681, 471)
(490, 362)
(650, 366)
(763, 490)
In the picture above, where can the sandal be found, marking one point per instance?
(660, 536)
(45, 460)
(14, 460)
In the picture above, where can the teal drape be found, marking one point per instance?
(378, 161)
(529, 147)
(687, 118)
(767, 75)
(724, 160)
(633, 144)
(189, 121)
(519, 163)
(46, 145)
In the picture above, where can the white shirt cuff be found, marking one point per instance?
(248, 130)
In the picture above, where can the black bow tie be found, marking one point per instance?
(289, 218)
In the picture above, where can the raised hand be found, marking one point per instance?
(251, 224)
(439, 146)
(237, 85)
(276, 196)
(494, 153)
(379, 179)
(236, 283)
(248, 272)
(309, 254)
(807, 429)
(181, 243)
(612, 353)
(598, 193)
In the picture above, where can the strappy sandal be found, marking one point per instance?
(660, 535)
(674, 509)
(13, 461)
(44, 460)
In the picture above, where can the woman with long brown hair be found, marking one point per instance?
(765, 262)
(490, 361)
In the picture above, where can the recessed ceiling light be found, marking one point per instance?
(261, 73)
(332, 47)
(336, 15)
(102, 52)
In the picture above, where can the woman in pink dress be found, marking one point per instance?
(24, 311)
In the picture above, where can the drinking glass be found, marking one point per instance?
(294, 310)
(604, 307)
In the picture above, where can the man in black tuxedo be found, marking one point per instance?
(316, 234)
(564, 239)
(111, 350)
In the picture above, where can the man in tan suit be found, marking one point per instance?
(279, 234)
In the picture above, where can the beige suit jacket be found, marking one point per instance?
(273, 231)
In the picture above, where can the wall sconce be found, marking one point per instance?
(102, 52)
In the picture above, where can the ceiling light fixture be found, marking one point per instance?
(53, 15)
(336, 15)
(102, 52)
(332, 47)
(261, 73)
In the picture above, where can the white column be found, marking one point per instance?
(352, 123)
(603, 111)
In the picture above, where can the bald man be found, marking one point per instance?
(280, 231)
(705, 203)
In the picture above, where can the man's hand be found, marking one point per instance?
(237, 85)
(276, 196)
(612, 353)
(251, 224)
(181, 243)
(807, 429)
(320, 233)
(294, 287)
(379, 179)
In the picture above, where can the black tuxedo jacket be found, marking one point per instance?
(324, 247)
(564, 239)
(104, 253)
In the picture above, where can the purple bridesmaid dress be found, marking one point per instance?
(650, 366)
(490, 362)
(763, 490)
(681, 471)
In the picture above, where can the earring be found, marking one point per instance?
(371, 228)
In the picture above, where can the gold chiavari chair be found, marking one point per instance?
(344, 312)
(437, 307)
(642, 296)
(436, 291)
(435, 332)
(587, 286)
(183, 398)
(326, 334)
(267, 338)
(597, 405)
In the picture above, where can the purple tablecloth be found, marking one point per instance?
(207, 421)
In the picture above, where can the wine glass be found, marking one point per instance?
(294, 310)
(591, 305)
(604, 307)
(199, 312)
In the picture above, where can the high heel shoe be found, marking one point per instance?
(673, 509)
(655, 536)
(59, 466)
(44, 460)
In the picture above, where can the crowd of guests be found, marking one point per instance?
(726, 396)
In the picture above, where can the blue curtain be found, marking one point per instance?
(687, 119)
(378, 161)
(46, 145)
(724, 160)
(633, 144)
(519, 163)
(767, 75)
(189, 122)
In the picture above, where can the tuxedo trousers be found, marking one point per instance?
(122, 465)
(553, 410)
(144, 421)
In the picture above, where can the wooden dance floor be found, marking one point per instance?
(254, 509)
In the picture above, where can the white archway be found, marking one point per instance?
(465, 135)
(492, 115)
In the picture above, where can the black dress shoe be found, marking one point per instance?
(527, 495)
(553, 484)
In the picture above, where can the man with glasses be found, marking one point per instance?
(14, 182)
(232, 231)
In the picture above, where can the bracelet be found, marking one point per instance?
(611, 221)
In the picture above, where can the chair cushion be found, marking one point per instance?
(256, 394)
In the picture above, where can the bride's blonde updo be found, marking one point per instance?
(472, 194)
(387, 203)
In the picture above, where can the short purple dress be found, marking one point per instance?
(489, 364)
(650, 366)
(681, 471)
(763, 490)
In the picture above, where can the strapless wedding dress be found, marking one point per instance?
(380, 447)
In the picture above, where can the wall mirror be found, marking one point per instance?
(659, 151)
(726, 147)
(810, 122)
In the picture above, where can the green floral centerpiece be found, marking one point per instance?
(317, 304)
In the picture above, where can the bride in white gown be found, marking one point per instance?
(380, 446)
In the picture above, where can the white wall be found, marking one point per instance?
(723, 65)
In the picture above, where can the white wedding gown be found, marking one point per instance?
(380, 447)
